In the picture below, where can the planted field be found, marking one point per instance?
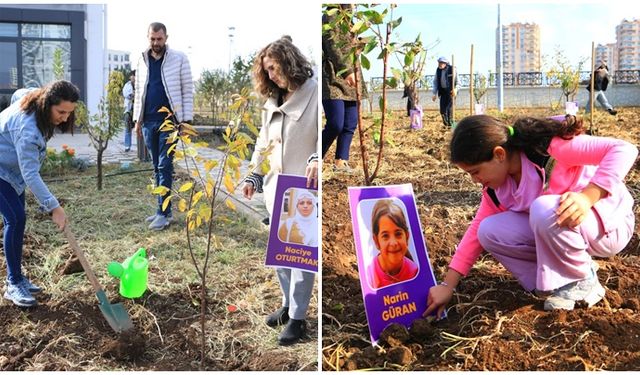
(493, 324)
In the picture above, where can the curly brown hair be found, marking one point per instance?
(290, 63)
(41, 100)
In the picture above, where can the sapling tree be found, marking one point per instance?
(200, 196)
(366, 28)
(479, 86)
(107, 122)
(563, 75)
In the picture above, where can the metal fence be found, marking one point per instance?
(620, 77)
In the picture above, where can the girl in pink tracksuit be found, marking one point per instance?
(552, 198)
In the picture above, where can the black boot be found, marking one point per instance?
(612, 112)
(293, 332)
(278, 317)
(445, 120)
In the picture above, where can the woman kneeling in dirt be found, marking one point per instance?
(290, 125)
(542, 226)
(25, 128)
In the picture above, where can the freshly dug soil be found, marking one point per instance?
(492, 323)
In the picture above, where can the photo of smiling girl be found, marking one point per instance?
(391, 237)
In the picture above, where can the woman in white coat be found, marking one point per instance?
(290, 125)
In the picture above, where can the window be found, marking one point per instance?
(8, 65)
(38, 58)
(8, 29)
(34, 30)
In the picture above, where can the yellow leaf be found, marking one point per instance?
(196, 198)
(164, 109)
(185, 187)
(227, 131)
(228, 183)
(209, 188)
(192, 225)
(191, 152)
(265, 167)
(198, 221)
(179, 155)
(252, 128)
(205, 212)
(210, 164)
(166, 202)
(182, 205)
(230, 204)
(171, 148)
(160, 190)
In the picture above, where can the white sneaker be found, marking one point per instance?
(19, 295)
(589, 291)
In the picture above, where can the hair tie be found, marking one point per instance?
(511, 131)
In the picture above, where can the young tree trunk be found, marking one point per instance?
(99, 165)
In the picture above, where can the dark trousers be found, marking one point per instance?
(342, 120)
(156, 142)
(446, 103)
(15, 219)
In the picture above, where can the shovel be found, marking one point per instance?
(116, 315)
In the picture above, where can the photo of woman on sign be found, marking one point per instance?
(391, 237)
(299, 224)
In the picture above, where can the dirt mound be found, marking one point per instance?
(492, 323)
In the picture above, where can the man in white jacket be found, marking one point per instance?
(163, 79)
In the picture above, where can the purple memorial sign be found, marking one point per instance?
(294, 237)
(390, 297)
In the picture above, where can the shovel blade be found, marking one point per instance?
(117, 317)
(115, 314)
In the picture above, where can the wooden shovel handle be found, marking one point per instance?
(87, 268)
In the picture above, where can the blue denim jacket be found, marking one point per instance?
(22, 150)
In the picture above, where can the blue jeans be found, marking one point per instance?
(156, 142)
(599, 94)
(342, 120)
(127, 130)
(15, 218)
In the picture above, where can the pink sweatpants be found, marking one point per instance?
(543, 255)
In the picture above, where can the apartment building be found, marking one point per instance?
(521, 48)
(628, 45)
(118, 60)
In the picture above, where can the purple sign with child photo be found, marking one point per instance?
(293, 238)
(394, 267)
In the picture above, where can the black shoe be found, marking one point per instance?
(278, 317)
(293, 332)
(612, 112)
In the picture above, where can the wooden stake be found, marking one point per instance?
(471, 101)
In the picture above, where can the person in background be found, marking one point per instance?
(444, 84)
(339, 99)
(600, 83)
(163, 79)
(290, 124)
(25, 128)
(128, 91)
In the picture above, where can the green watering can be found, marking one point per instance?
(133, 274)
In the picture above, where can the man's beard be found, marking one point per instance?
(158, 50)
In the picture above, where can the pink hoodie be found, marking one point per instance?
(582, 160)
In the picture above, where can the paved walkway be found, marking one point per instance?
(115, 154)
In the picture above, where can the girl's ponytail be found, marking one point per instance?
(475, 137)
